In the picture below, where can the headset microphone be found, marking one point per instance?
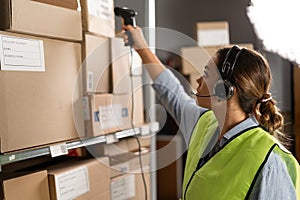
(199, 95)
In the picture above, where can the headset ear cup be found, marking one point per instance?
(223, 90)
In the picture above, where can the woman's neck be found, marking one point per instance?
(230, 118)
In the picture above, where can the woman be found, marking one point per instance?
(233, 151)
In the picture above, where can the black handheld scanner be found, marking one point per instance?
(128, 17)
(127, 14)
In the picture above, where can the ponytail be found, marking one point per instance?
(268, 115)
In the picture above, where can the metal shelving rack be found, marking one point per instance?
(12, 157)
(151, 128)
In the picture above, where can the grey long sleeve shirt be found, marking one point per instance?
(273, 181)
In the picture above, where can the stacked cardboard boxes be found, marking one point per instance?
(126, 170)
(47, 68)
(113, 99)
(42, 88)
(211, 36)
(112, 78)
(40, 62)
(127, 175)
(129, 169)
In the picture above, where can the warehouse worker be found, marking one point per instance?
(234, 149)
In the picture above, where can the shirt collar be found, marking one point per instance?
(247, 123)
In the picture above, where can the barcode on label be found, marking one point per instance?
(58, 150)
(90, 81)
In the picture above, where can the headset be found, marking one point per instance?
(223, 88)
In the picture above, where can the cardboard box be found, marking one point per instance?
(138, 101)
(123, 66)
(96, 64)
(80, 180)
(35, 18)
(130, 186)
(129, 163)
(109, 113)
(98, 17)
(39, 108)
(145, 142)
(71, 4)
(33, 186)
(92, 104)
(194, 59)
(122, 111)
(212, 33)
(139, 187)
(120, 58)
(135, 115)
(123, 187)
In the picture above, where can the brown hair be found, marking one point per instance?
(252, 79)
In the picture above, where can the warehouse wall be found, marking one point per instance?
(182, 16)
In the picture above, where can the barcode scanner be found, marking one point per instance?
(128, 17)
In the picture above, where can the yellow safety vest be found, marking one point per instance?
(231, 172)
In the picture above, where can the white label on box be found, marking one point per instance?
(86, 108)
(105, 117)
(118, 114)
(213, 37)
(20, 54)
(110, 116)
(72, 183)
(58, 150)
(90, 82)
(101, 8)
(123, 188)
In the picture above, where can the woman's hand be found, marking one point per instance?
(150, 60)
(139, 41)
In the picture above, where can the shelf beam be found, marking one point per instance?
(83, 142)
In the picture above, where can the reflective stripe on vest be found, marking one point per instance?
(231, 172)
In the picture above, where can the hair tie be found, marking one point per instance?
(263, 100)
(266, 97)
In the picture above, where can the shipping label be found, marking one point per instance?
(123, 188)
(110, 116)
(72, 184)
(101, 8)
(21, 54)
